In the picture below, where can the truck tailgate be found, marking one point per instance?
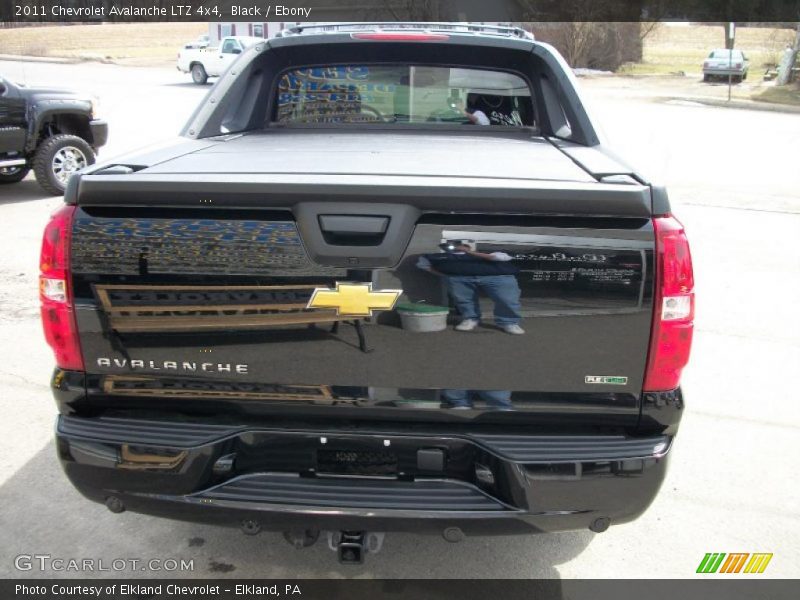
(194, 287)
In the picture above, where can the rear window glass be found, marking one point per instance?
(403, 94)
(726, 54)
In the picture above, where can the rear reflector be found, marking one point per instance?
(55, 295)
(673, 317)
(400, 36)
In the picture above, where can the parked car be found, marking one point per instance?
(206, 62)
(387, 279)
(722, 63)
(55, 132)
(202, 41)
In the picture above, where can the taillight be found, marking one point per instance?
(671, 336)
(400, 36)
(55, 293)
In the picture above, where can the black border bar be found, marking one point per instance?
(741, 588)
(398, 10)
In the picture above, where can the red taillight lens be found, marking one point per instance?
(55, 295)
(400, 36)
(673, 317)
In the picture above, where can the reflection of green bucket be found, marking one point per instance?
(423, 318)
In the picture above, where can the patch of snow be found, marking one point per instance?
(581, 72)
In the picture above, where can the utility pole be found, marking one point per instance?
(732, 37)
(790, 58)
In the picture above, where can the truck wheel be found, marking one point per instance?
(706, 77)
(199, 75)
(13, 174)
(58, 158)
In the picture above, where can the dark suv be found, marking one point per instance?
(52, 131)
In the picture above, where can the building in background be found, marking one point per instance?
(217, 31)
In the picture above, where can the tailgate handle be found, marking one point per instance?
(353, 224)
(355, 234)
(353, 230)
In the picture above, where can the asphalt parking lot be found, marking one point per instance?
(732, 485)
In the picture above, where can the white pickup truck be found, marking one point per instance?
(203, 63)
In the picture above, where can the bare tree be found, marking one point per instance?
(596, 45)
(415, 10)
(589, 40)
(646, 28)
(575, 41)
(653, 14)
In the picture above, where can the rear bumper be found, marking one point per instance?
(226, 474)
(722, 72)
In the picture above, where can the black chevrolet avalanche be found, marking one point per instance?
(388, 279)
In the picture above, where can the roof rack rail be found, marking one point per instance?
(457, 28)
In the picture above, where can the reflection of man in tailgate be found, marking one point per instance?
(467, 273)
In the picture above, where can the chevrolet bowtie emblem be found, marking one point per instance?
(354, 299)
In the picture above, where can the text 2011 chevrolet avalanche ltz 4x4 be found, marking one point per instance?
(388, 279)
